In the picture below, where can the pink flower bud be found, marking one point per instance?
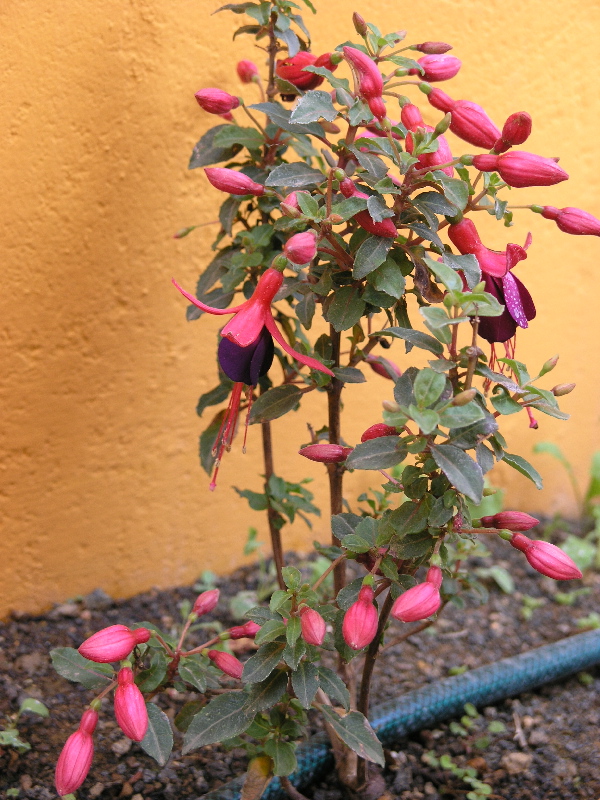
(292, 200)
(130, 708)
(247, 631)
(516, 130)
(227, 663)
(313, 626)
(417, 603)
(469, 120)
(370, 82)
(247, 71)
(519, 169)
(377, 107)
(573, 220)
(232, 181)
(113, 643)
(76, 756)
(510, 521)
(301, 247)
(216, 101)
(377, 431)
(361, 620)
(326, 453)
(384, 367)
(546, 558)
(411, 117)
(292, 69)
(437, 67)
(206, 602)
(434, 575)
(434, 48)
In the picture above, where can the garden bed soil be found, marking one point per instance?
(549, 748)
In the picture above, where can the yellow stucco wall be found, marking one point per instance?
(100, 484)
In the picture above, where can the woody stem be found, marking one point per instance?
(272, 50)
(272, 515)
(335, 471)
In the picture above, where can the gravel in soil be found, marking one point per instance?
(544, 745)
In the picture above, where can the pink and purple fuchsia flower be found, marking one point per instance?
(246, 351)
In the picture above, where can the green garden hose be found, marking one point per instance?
(422, 708)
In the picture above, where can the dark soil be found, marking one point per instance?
(549, 748)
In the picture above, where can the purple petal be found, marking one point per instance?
(246, 364)
(512, 299)
(496, 329)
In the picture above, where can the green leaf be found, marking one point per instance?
(519, 369)
(283, 755)
(346, 308)
(460, 469)
(502, 577)
(256, 500)
(415, 545)
(292, 577)
(10, 738)
(280, 116)
(445, 274)
(192, 672)
(313, 106)
(428, 387)
(337, 83)
(293, 630)
(349, 207)
(524, 467)
(223, 718)
(468, 264)
(355, 731)
(265, 694)
(295, 176)
(334, 687)
(305, 310)
(414, 338)
(343, 524)
(427, 233)
(294, 653)
(271, 629)
(262, 663)
(503, 402)
(349, 375)
(214, 397)
(230, 135)
(426, 419)
(305, 682)
(370, 255)
(372, 164)
(206, 152)
(149, 679)
(381, 453)
(34, 707)
(74, 667)
(409, 518)
(275, 403)
(207, 441)
(434, 203)
(388, 278)
(158, 741)
(237, 8)
(456, 191)
(459, 416)
(470, 435)
(364, 538)
(308, 204)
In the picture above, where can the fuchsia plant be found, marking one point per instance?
(334, 205)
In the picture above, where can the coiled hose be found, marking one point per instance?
(422, 708)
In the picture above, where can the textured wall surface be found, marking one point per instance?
(100, 372)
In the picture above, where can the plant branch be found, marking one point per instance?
(335, 471)
(274, 531)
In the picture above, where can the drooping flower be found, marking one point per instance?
(130, 707)
(113, 643)
(422, 600)
(520, 169)
(292, 69)
(516, 130)
(246, 631)
(206, 602)
(216, 101)
(227, 663)
(361, 620)
(246, 350)
(325, 453)
(234, 182)
(469, 120)
(76, 756)
(438, 67)
(546, 558)
(384, 367)
(312, 625)
(385, 228)
(572, 220)
(412, 119)
(496, 266)
(247, 71)
(377, 431)
(510, 521)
